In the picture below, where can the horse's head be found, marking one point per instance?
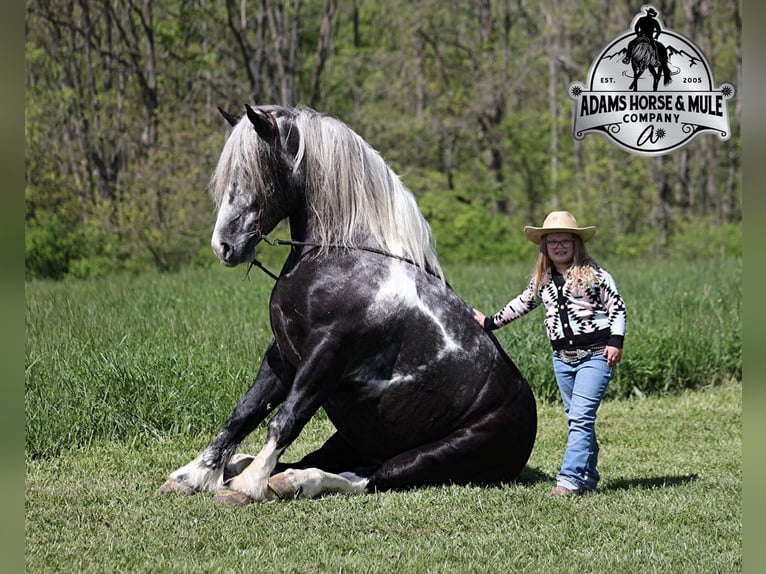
(256, 182)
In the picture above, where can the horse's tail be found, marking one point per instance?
(642, 54)
(662, 56)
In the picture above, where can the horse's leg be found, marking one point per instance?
(205, 472)
(310, 387)
(323, 471)
(336, 467)
(313, 482)
(656, 77)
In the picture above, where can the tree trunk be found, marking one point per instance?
(323, 50)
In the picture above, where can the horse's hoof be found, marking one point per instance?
(281, 486)
(171, 485)
(232, 497)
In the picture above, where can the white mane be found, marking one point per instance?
(355, 198)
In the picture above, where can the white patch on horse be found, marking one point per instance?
(375, 385)
(313, 482)
(254, 480)
(197, 476)
(399, 288)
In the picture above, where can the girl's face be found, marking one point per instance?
(560, 248)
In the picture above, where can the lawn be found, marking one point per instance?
(669, 501)
(127, 378)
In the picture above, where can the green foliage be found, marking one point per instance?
(703, 238)
(49, 245)
(463, 103)
(635, 245)
(454, 223)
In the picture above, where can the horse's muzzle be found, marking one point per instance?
(231, 254)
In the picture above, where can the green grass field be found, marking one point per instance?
(670, 501)
(127, 378)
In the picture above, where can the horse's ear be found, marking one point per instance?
(233, 120)
(261, 123)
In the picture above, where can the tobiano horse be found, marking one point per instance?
(365, 326)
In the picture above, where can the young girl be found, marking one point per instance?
(585, 322)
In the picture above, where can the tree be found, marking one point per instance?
(467, 100)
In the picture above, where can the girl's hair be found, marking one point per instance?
(581, 274)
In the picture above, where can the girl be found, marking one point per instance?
(585, 322)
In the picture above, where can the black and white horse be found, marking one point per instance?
(364, 326)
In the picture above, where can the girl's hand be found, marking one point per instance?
(613, 356)
(479, 316)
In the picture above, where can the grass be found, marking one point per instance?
(128, 378)
(669, 502)
(136, 359)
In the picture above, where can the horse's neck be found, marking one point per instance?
(301, 233)
(299, 227)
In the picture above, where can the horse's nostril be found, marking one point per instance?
(222, 250)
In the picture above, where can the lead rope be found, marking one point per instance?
(259, 265)
(291, 243)
(275, 243)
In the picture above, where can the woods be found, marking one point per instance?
(466, 100)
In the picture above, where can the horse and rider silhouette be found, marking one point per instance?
(645, 52)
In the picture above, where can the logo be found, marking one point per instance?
(650, 91)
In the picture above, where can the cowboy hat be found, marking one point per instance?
(558, 222)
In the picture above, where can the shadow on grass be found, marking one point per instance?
(531, 476)
(649, 482)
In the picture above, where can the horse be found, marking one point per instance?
(644, 53)
(365, 326)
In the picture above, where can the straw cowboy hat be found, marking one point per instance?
(558, 222)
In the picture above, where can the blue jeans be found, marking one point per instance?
(582, 386)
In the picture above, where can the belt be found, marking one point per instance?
(575, 355)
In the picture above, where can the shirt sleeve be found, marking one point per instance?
(515, 308)
(615, 307)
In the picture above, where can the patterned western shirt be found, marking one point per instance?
(581, 318)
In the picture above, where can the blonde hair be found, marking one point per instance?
(581, 274)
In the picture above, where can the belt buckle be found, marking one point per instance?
(574, 355)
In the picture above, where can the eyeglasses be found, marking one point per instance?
(554, 243)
